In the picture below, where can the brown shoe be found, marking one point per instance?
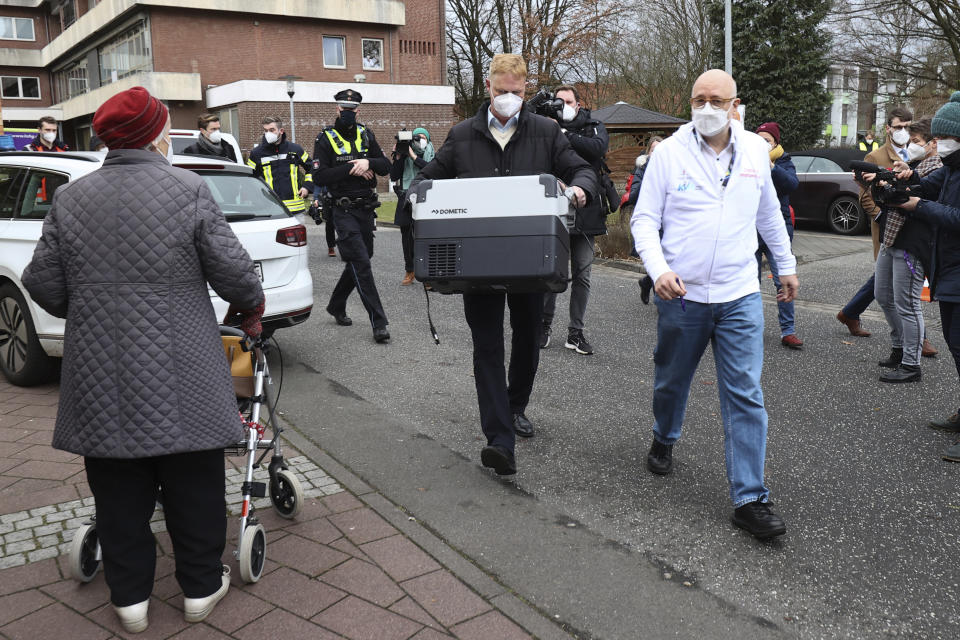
(792, 341)
(853, 324)
(407, 279)
(928, 350)
(331, 252)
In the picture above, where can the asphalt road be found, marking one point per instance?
(586, 534)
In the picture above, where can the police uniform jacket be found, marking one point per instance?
(332, 153)
(279, 165)
(537, 146)
(589, 139)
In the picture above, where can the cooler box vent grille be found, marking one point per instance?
(442, 260)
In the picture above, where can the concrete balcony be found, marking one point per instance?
(165, 86)
(388, 12)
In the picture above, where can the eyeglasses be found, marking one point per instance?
(716, 103)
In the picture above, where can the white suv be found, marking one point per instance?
(30, 338)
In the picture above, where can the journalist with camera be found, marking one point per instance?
(935, 199)
(589, 139)
(412, 152)
(346, 160)
(504, 140)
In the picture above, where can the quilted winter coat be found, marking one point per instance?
(125, 257)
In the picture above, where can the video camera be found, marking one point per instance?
(546, 104)
(893, 192)
(403, 138)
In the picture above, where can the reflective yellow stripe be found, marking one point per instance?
(252, 164)
(295, 204)
(294, 179)
(341, 146)
(268, 175)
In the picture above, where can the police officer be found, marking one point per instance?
(345, 158)
(279, 161)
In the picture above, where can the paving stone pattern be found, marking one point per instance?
(339, 570)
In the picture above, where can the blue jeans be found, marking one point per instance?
(735, 329)
(899, 283)
(861, 299)
(785, 313)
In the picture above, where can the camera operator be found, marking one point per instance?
(589, 139)
(902, 262)
(939, 205)
(504, 139)
(409, 156)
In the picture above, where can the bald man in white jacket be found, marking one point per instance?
(708, 188)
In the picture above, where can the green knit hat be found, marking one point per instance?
(947, 120)
(420, 130)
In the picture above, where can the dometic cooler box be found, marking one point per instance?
(483, 235)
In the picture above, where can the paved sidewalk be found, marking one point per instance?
(351, 565)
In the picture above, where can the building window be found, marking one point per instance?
(333, 52)
(126, 54)
(72, 81)
(372, 54)
(16, 29)
(17, 87)
(68, 13)
(230, 121)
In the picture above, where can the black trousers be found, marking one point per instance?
(125, 491)
(500, 398)
(355, 240)
(331, 234)
(950, 319)
(406, 240)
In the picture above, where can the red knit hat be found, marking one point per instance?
(772, 128)
(130, 120)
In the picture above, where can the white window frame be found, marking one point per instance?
(13, 24)
(343, 45)
(363, 44)
(20, 88)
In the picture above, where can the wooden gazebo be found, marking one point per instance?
(630, 127)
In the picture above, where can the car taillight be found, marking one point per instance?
(293, 236)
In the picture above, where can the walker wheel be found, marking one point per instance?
(286, 494)
(85, 553)
(253, 553)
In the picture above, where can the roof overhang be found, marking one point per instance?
(30, 114)
(165, 86)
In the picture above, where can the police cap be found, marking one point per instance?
(348, 98)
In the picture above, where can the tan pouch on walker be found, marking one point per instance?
(241, 365)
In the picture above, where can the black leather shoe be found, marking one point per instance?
(381, 335)
(903, 373)
(660, 458)
(646, 283)
(951, 424)
(522, 426)
(896, 357)
(498, 459)
(341, 318)
(756, 519)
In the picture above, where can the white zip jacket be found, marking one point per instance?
(710, 232)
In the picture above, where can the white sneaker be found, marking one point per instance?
(196, 609)
(133, 617)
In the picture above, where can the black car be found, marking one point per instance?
(827, 192)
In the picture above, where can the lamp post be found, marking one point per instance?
(293, 127)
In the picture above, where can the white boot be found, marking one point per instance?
(196, 609)
(133, 617)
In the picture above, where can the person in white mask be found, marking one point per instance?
(504, 139)
(283, 165)
(46, 138)
(589, 139)
(708, 189)
(894, 150)
(209, 142)
(937, 202)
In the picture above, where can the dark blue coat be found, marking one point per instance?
(940, 205)
(785, 181)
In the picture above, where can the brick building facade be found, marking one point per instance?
(203, 55)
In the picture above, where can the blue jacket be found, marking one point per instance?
(940, 205)
(785, 180)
